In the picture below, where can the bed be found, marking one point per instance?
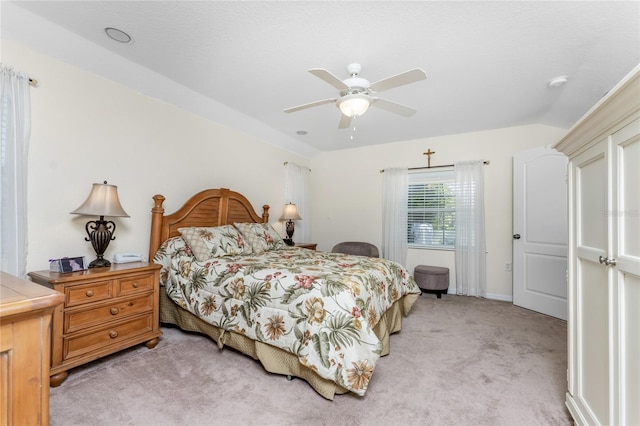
(322, 317)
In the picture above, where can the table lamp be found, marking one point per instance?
(102, 201)
(290, 213)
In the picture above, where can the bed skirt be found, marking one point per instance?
(276, 360)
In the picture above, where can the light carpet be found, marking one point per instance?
(457, 361)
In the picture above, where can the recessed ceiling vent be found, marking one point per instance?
(118, 35)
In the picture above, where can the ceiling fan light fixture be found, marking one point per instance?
(354, 105)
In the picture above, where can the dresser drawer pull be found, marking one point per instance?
(113, 334)
(89, 293)
(136, 284)
(114, 311)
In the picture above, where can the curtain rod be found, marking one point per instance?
(33, 82)
(286, 162)
(435, 167)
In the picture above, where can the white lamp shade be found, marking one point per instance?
(102, 201)
(290, 212)
(354, 105)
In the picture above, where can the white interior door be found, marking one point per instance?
(540, 231)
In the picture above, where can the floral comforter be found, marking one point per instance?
(319, 306)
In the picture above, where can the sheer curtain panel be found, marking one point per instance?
(297, 190)
(14, 149)
(395, 188)
(470, 230)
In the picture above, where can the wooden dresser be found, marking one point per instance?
(105, 310)
(25, 340)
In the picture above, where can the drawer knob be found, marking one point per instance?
(114, 311)
(136, 284)
(113, 334)
(89, 293)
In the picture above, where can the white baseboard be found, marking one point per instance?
(502, 297)
(493, 296)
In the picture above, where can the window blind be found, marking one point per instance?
(431, 209)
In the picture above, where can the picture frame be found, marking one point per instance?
(68, 264)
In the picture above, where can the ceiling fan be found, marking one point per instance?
(357, 94)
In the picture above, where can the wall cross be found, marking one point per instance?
(429, 153)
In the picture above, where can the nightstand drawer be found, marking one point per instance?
(87, 293)
(105, 336)
(75, 320)
(135, 284)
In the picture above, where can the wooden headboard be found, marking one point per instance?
(211, 207)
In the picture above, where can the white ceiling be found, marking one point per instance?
(487, 63)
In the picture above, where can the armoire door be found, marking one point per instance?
(625, 225)
(590, 334)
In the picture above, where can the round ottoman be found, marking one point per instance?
(432, 279)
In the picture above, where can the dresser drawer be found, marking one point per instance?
(87, 293)
(75, 320)
(111, 334)
(135, 284)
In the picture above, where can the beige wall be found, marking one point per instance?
(87, 129)
(347, 201)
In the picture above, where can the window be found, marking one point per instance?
(431, 220)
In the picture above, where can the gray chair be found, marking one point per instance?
(357, 248)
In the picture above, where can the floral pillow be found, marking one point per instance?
(218, 241)
(261, 237)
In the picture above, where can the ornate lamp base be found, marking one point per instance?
(290, 228)
(100, 233)
(100, 262)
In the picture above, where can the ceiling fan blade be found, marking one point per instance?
(329, 78)
(345, 121)
(310, 105)
(394, 107)
(401, 79)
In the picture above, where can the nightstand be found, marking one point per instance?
(105, 310)
(310, 246)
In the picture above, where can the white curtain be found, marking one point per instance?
(470, 230)
(297, 191)
(395, 188)
(14, 148)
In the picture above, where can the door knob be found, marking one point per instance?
(607, 261)
(516, 236)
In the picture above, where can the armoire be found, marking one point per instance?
(603, 273)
